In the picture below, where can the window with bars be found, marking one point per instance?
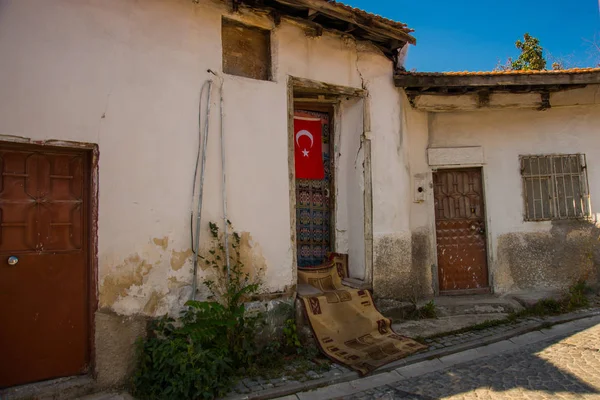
(555, 187)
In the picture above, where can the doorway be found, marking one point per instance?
(313, 136)
(460, 231)
(44, 262)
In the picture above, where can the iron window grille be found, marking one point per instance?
(555, 187)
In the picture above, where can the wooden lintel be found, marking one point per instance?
(302, 85)
(316, 100)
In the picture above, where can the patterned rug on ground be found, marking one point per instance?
(345, 322)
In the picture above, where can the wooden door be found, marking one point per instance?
(314, 202)
(460, 231)
(44, 328)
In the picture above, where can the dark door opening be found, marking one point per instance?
(314, 196)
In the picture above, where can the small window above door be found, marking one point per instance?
(246, 50)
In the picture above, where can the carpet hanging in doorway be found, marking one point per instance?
(345, 322)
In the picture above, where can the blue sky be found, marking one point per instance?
(472, 35)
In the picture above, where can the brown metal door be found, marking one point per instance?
(460, 231)
(44, 296)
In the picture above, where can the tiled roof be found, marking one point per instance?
(496, 73)
(364, 14)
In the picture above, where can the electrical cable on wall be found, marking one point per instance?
(200, 159)
(201, 162)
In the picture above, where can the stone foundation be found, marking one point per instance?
(115, 347)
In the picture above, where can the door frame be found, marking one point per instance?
(301, 90)
(92, 155)
(487, 235)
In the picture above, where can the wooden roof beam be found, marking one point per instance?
(368, 24)
(493, 80)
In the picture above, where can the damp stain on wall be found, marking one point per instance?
(555, 259)
(179, 258)
(131, 272)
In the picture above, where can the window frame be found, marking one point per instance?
(559, 207)
(227, 62)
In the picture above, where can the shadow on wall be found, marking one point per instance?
(551, 260)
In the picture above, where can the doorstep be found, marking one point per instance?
(56, 389)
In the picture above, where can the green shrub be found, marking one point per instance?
(198, 355)
(428, 310)
(290, 337)
(190, 361)
(547, 307)
(577, 296)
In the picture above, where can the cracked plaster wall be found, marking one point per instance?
(403, 237)
(527, 255)
(126, 76)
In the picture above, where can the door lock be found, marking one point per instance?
(13, 260)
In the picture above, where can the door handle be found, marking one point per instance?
(475, 228)
(13, 260)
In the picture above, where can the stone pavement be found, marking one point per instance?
(562, 362)
(290, 377)
(294, 381)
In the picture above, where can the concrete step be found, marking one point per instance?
(473, 304)
(57, 389)
(530, 298)
(446, 306)
(108, 396)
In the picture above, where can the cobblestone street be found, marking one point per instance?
(552, 369)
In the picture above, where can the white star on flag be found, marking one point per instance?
(305, 153)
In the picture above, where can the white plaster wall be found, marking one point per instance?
(503, 136)
(126, 75)
(350, 237)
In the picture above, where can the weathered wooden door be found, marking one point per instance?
(314, 203)
(460, 231)
(43, 263)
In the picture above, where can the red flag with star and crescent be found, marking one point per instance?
(308, 148)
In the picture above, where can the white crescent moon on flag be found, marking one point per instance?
(304, 133)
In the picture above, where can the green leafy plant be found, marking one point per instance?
(532, 54)
(530, 58)
(428, 310)
(577, 295)
(290, 337)
(198, 355)
(185, 359)
(233, 289)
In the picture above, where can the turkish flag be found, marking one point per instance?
(308, 148)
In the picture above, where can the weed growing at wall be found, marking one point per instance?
(198, 355)
(429, 310)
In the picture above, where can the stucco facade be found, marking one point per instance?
(453, 132)
(125, 77)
